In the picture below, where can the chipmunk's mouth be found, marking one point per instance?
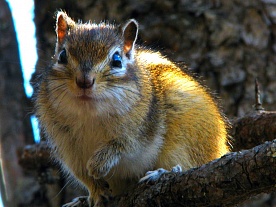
(85, 97)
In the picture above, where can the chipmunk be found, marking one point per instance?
(113, 110)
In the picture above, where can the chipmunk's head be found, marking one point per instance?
(93, 65)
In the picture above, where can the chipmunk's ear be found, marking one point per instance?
(130, 32)
(63, 24)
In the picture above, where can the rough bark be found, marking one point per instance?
(254, 129)
(227, 181)
(15, 129)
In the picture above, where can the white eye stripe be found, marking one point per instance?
(118, 72)
(114, 50)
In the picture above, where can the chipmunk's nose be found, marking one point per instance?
(85, 81)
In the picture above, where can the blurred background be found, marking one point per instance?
(227, 43)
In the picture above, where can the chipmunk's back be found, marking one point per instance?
(193, 122)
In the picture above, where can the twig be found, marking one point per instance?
(258, 104)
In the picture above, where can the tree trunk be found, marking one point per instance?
(15, 128)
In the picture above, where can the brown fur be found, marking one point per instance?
(147, 116)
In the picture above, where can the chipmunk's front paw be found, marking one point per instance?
(101, 195)
(101, 163)
(103, 200)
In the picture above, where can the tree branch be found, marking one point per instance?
(253, 129)
(223, 182)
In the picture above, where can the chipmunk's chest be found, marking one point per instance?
(76, 145)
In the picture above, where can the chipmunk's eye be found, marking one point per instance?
(116, 60)
(62, 58)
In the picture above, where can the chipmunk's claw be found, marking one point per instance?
(154, 175)
(81, 201)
